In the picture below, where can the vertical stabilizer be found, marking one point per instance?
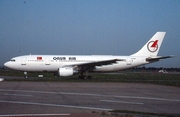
(151, 48)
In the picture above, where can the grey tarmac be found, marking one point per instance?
(76, 98)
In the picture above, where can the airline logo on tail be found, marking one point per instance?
(152, 46)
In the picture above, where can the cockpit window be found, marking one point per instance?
(13, 60)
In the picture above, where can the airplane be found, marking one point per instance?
(68, 65)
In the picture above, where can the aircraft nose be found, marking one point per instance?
(7, 64)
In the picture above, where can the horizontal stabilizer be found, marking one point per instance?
(158, 58)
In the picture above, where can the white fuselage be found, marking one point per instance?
(52, 63)
(67, 65)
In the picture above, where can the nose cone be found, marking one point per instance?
(12, 64)
(9, 65)
(6, 64)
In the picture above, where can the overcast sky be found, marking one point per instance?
(88, 27)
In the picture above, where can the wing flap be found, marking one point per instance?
(91, 65)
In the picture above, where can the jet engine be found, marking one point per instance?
(66, 71)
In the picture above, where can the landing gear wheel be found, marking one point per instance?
(55, 74)
(26, 75)
(89, 77)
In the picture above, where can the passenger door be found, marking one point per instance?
(47, 61)
(23, 61)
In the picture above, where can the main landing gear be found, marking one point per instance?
(82, 76)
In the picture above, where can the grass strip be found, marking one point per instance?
(124, 77)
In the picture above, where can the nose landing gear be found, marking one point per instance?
(26, 75)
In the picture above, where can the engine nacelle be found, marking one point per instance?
(66, 71)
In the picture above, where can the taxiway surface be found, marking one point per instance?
(84, 98)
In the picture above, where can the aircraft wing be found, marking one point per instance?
(154, 59)
(91, 65)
